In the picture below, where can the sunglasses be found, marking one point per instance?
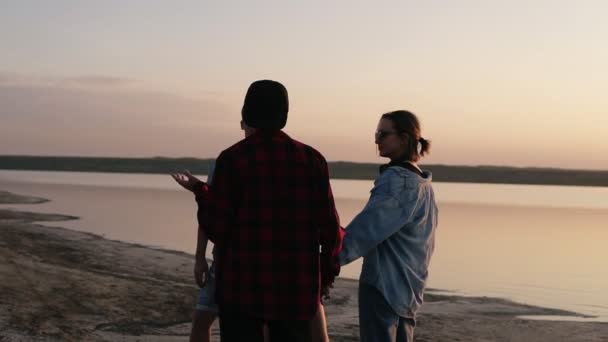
(380, 135)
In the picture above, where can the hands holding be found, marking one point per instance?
(330, 269)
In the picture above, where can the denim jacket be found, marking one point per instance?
(395, 235)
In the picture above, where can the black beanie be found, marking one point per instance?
(266, 105)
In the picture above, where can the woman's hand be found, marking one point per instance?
(186, 180)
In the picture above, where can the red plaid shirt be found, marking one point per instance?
(268, 211)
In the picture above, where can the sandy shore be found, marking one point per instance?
(63, 285)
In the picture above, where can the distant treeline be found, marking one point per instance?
(341, 170)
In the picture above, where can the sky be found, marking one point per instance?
(519, 83)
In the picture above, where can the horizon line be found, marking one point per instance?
(329, 161)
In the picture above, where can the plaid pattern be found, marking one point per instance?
(268, 210)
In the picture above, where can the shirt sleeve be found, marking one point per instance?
(382, 217)
(330, 231)
(330, 221)
(216, 201)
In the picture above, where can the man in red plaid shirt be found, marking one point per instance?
(271, 213)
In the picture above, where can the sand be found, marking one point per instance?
(63, 285)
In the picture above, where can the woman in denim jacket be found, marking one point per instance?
(395, 234)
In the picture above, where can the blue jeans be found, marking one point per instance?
(378, 322)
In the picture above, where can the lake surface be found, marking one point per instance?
(541, 245)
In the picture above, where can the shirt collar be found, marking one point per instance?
(404, 164)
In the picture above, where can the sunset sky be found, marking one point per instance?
(522, 83)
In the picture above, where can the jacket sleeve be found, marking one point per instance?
(383, 216)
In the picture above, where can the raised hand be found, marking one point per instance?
(185, 179)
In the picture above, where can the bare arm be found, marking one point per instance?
(201, 269)
(201, 244)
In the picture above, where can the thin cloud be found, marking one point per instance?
(85, 81)
(97, 81)
(69, 117)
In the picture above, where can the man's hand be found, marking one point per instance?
(201, 272)
(185, 179)
(330, 269)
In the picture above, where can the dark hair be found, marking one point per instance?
(407, 123)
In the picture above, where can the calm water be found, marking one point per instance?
(542, 245)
